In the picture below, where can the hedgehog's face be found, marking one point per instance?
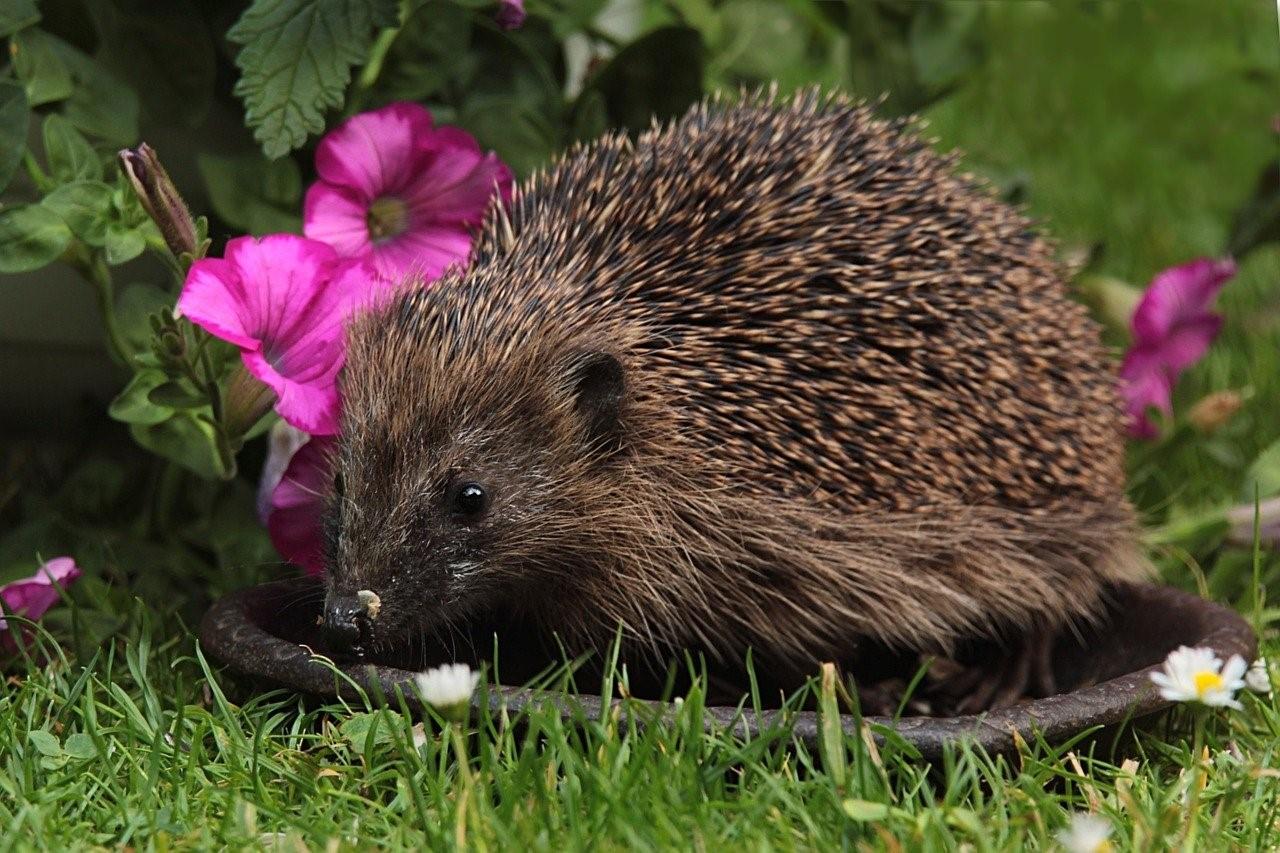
(467, 516)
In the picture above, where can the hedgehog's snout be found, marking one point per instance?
(348, 620)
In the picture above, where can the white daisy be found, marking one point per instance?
(1198, 675)
(447, 688)
(1086, 833)
(1257, 678)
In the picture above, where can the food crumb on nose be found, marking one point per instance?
(369, 602)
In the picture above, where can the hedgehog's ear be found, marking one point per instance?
(598, 384)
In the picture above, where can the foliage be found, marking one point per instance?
(1140, 135)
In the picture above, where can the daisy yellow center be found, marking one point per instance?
(1205, 681)
(1103, 846)
(387, 218)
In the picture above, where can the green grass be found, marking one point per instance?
(140, 746)
(1138, 128)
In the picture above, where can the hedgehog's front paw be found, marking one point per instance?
(996, 675)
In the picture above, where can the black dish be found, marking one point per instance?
(268, 634)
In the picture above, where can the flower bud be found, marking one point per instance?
(160, 199)
(247, 399)
(1214, 411)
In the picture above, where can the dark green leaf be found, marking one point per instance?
(186, 440)
(657, 76)
(14, 116)
(164, 50)
(70, 156)
(571, 16)
(252, 193)
(760, 40)
(31, 236)
(297, 60)
(431, 50)
(133, 405)
(590, 116)
(945, 41)
(1258, 221)
(101, 104)
(176, 395)
(86, 208)
(123, 243)
(16, 15)
(513, 128)
(136, 304)
(40, 67)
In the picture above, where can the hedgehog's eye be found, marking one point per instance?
(469, 499)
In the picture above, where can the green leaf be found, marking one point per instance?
(86, 208)
(513, 128)
(432, 49)
(657, 76)
(45, 743)
(164, 50)
(176, 395)
(865, 810)
(81, 746)
(1263, 477)
(101, 104)
(123, 243)
(945, 41)
(297, 60)
(14, 115)
(133, 405)
(254, 194)
(70, 156)
(40, 67)
(16, 15)
(134, 307)
(760, 39)
(1257, 222)
(31, 236)
(186, 440)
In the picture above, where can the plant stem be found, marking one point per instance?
(1197, 775)
(94, 268)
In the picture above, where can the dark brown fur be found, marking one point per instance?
(855, 402)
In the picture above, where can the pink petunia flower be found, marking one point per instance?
(297, 481)
(32, 597)
(1172, 328)
(283, 300)
(394, 187)
(510, 14)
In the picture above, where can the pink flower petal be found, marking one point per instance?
(284, 300)
(337, 216)
(1172, 329)
(1178, 295)
(368, 151)
(296, 519)
(394, 156)
(1146, 385)
(457, 186)
(424, 253)
(34, 596)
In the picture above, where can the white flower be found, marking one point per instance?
(1198, 675)
(1086, 833)
(1257, 678)
(448, 686)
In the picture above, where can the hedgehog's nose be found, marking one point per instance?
(346, 624)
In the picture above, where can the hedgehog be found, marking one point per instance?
(773, 378)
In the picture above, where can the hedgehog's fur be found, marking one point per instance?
(855, 401)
